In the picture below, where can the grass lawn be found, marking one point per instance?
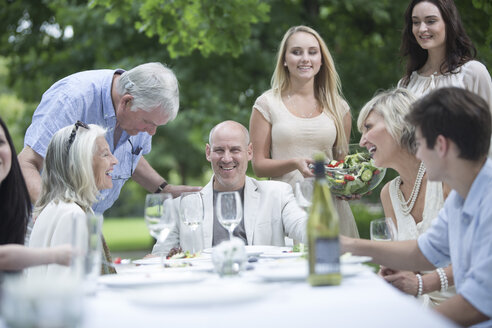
(127, 234)
(131, 234)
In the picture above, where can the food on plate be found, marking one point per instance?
(355, 175)
(299, 248)
(177, 253)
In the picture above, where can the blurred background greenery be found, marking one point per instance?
(223, 53)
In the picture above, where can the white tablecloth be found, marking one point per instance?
(363, 300)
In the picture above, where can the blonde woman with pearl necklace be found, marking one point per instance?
(410, 200)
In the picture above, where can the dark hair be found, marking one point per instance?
(459, 47)
(15, 204)
(457, 114)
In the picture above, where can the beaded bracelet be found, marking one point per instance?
(421, 285)
(443, 278)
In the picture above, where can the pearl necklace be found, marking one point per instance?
(305, 115)
(407, 206)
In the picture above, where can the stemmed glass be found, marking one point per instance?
(158, 220)
(304, 193)
(229, 210)
(191, 213)
(383, 230)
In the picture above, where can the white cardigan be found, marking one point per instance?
(53, 227)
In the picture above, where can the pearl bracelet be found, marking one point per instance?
(443, 278)
(421, 285)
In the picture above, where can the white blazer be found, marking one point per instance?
(270, 213)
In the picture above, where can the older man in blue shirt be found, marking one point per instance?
(130, 105)
(453, 129)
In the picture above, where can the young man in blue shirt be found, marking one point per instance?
(453, 129)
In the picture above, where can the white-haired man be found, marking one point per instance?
(269, 207)
(130, 105)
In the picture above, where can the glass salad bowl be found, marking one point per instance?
(355, 175)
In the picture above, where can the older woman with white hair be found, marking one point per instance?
(410, 200)
(78, 165)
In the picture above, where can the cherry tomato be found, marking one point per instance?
(349, 177)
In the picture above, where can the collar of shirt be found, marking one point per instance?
(479, 188)
(108, 108)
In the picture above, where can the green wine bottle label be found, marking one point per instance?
(327, 256)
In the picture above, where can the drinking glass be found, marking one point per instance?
(158, 220)
(42, 301)
(383, 230)
(304, 193)
(229, 210)
(93, 257)
(86, 242)
(191, 212)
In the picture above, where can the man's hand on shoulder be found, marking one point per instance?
(177, 190)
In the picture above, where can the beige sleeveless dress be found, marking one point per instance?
(409, 230)
(294, 136)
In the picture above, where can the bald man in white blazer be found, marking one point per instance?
(270, 211)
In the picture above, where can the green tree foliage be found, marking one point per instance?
(223, 53)
(14, 112)
(183, 26)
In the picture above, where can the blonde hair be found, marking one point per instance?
(67, 170)
(327, 85)
(393, 105)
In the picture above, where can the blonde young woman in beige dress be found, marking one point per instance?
(302, 114)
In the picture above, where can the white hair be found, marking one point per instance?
(393, 105)
(67, 170)
(153, 86)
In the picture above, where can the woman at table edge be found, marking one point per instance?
(16, 210)
(78, 164)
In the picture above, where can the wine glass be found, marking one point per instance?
(304, 193)
(191, 212)
(383, 230)
(158, 216)
(229, 210)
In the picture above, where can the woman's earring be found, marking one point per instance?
(285, 64)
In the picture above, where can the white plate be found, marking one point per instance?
(352, 259)
(349, 270)
(251, 250)
(147, 279)
(281, 253)
(157, 260)
(199, 295)
(300, 273)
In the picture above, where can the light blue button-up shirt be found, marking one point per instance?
(86, 96)
(462, 235)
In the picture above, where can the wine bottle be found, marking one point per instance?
(322, 232)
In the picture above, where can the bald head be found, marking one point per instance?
(230, 126)
(229, 152)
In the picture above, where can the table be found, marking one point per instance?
(362, 300)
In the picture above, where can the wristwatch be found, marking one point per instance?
(161, 187)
